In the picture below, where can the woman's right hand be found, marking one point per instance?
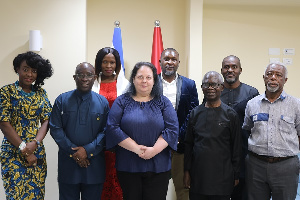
(31, 160)
(139, 150)
(29, 149)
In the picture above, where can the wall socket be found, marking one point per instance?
(287, 61)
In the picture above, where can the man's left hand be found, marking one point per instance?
(80, 153)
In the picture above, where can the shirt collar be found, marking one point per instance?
(83, 95)
(281, 97)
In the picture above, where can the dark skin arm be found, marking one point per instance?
(12, 136)
(10, 133)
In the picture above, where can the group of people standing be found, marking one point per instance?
(124, 140)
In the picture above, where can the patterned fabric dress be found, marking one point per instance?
(23, 111)
(111, 188)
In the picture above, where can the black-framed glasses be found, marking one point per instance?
(213, 85)
(82, 76)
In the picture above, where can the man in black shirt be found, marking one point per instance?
(236, 95)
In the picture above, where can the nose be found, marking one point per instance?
(170, 61)
(230, 69)
(29, 73)
(273, 76)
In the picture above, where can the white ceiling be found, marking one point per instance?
(254, 2)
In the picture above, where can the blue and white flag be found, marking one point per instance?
(117, 44)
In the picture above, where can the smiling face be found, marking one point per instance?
(143, 81)
(231, 69)
(108, 65)
(27, 75)
(212, 87)
(274, 78)
(84, 77)
(169, 62)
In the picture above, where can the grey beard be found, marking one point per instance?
(230, 80)
(272, 89)
(169, 73)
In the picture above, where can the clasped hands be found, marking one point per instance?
(145, 152)
(80, 157)
(28, 153)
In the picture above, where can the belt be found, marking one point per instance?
(270, 159)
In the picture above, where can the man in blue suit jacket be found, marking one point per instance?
(183, 95)
(77, 124)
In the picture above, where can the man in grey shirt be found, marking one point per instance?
(272, 165)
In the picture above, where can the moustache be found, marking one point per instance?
(271, 83)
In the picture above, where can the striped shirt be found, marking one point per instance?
(275, 126)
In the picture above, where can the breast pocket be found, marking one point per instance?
(98, 120)
(286, 124)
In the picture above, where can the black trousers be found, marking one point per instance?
(144, 186)
(80, 191)
(195, 196)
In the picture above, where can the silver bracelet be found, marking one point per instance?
(22, 146)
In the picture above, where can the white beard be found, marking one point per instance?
(272, 89)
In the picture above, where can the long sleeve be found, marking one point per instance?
(236, 145)
(97, 145)
(56, 127)
(170, 133)
(194, 102)
(189, 143)
(115, 134)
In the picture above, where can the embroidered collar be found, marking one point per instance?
(21, 91)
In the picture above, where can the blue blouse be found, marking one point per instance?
(143, 122)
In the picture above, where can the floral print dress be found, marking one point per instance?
(24, 111)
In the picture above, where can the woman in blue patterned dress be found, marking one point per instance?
(24, 105)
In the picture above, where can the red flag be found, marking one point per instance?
(157, 47)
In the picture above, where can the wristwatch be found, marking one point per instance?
(37, 142)
(22, 146)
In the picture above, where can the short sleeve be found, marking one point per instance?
(5, 104)
(46, 108)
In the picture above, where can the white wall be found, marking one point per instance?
(248, 31)
(63, 27)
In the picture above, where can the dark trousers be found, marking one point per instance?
(144, 186)
(195, 196)
(72, 191)
(277, 180)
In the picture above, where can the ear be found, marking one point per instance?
(74, 77)
(222, 87)
(241, 70)
(285, 80)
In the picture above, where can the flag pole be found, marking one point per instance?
(117, 44)
(157, 46)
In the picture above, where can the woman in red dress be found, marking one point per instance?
(107, 67)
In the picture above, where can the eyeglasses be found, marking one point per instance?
(213, 85)
(82, 76)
